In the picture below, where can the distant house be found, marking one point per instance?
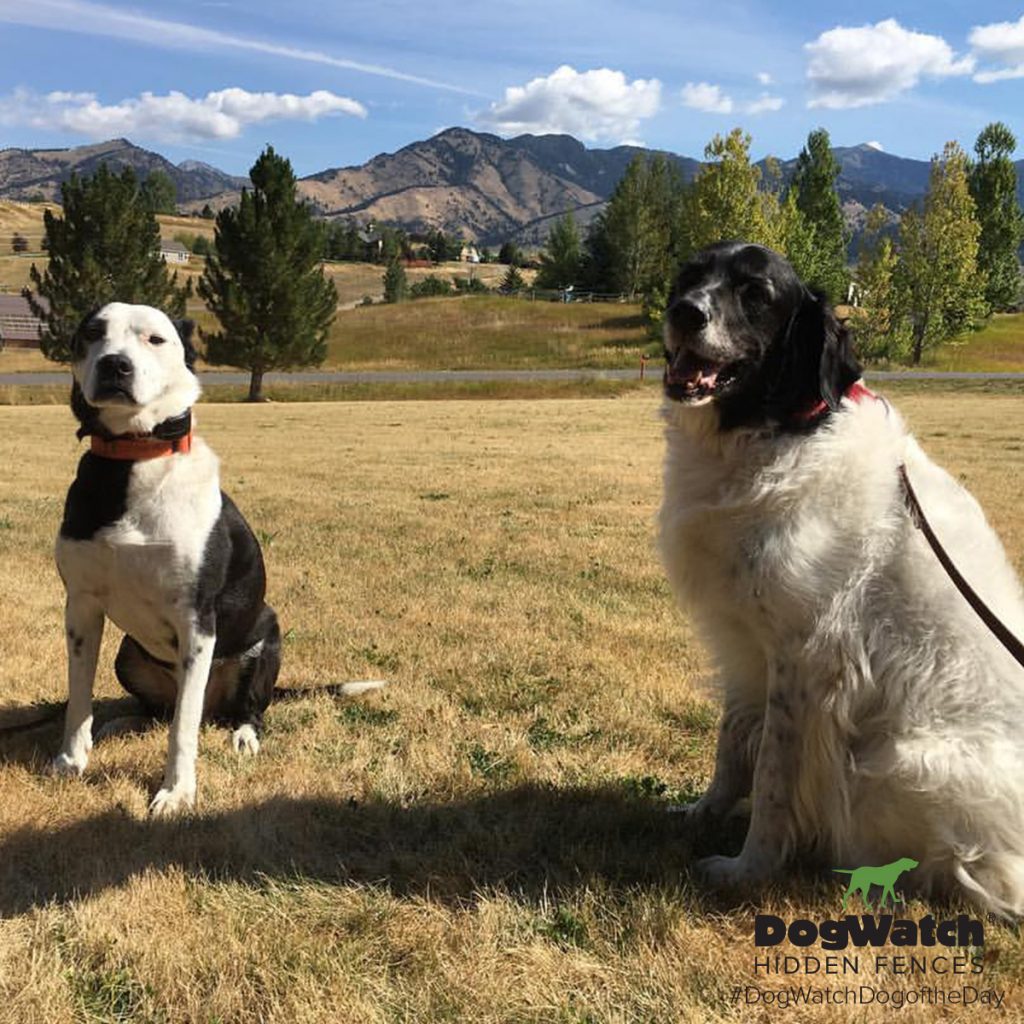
(174, 252)
(19, 326)
(469, 254)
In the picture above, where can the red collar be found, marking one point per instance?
(137, 448)
(856, 392)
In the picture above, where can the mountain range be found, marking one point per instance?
(486, 188)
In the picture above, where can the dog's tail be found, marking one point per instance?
(353, 689)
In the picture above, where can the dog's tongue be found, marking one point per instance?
(691, 372)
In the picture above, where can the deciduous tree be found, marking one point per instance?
(942, 289)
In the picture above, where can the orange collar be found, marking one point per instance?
(136, 448)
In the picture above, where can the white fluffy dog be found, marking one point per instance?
(869, 713)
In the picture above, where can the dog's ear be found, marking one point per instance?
(823, 345)
(186, 328)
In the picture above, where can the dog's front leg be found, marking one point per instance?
(738, 739)
(83, 627)
(776, 776)
(178, 792)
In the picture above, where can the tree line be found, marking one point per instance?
(949, 262)
(263, 279)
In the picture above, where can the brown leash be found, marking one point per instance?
(1005, 637)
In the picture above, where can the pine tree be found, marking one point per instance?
(396, 284)
(814, 182)
(632, 240)
(512, 282)
(562, 256)
(263, 281)
(103, 247)
(510, 254)
(941, 288)
(159, 192)
(993, 182)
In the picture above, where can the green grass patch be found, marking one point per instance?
(482, 332)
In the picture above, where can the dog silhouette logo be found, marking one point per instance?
(886, 876)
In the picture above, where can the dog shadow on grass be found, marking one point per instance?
(530, 840)
(30, 735)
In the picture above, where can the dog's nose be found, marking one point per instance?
(116, 367)
(688, 316)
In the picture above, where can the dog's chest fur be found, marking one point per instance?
(749, 526)
(134, 536)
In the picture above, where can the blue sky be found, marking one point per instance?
(334, 84)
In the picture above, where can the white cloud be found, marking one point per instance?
(95, 19)
(765, 104)
(593, 105)
(171, 118)
(855, 67)
(999, 43)
(707, 98)
(764, 78)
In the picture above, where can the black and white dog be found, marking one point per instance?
(869, 713)
(151, 542)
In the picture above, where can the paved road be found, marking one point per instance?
(434, 376)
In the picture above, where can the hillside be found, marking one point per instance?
(33, 173)
(478, 185)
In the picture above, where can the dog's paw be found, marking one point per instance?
(66, 766)
(169, 802)
(729, 872)
(245, 741)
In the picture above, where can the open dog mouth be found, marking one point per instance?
(689, 378)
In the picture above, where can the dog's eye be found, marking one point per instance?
(755, 295)
(95, 330)
(155, 339)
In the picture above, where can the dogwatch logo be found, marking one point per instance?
(875, 958)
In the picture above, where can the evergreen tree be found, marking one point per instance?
(263, 281)
(993, 181)
(396, 284)
(512, 282)
(878, 328)
(510, 254)
(562, 256)
(632, 240)
(941, 288)
(814, 182)
(103, 247)
(159, 193)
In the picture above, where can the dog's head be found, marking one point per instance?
(132, 368)
(743, 333)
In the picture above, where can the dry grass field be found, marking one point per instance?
(484, 841)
